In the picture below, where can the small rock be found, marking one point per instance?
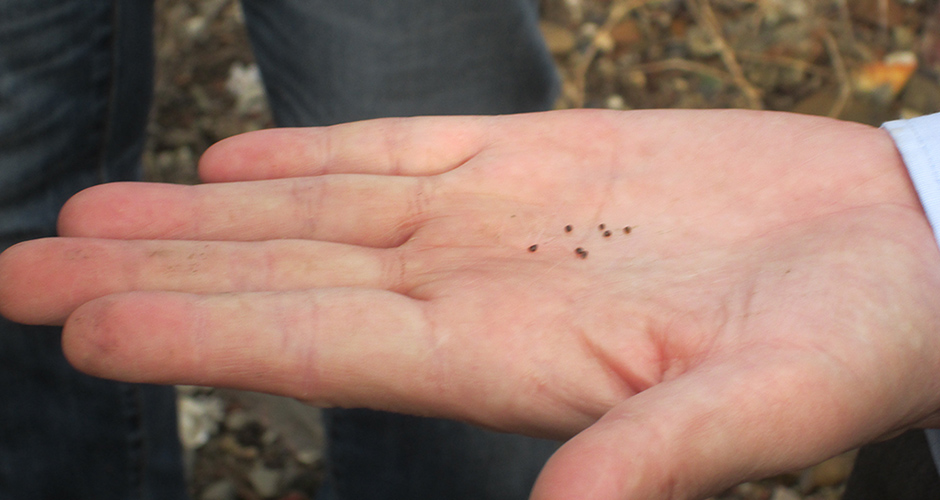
(575, 10)
(587, 31)
(251, 434)
(269, 437)
(230, 445)
(236, 420)
(778, 11)
(701, 43)
(244, 82)
(615, 101)
(180, 137)
(634, 78)
(604, 41)
(626, 33)
(829, 473)
(751, 490)
(265, 481)
(782, 493)
(559, 39)
(196, 27)
(199, 419)
(220, 490)
(887, 76)
(309, 457)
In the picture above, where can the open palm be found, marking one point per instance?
(698, 298)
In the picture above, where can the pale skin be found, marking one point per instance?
(775, 304)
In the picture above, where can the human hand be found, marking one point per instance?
(775, 303)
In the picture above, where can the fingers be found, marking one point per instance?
(410, 146)
(360, 210)
(43, 281)
(701, 433)
(331, 347)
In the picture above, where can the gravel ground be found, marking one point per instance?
(861, 60)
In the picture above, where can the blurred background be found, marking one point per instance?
(861, 60)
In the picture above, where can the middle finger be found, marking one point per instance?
(56, 275)
(375, 211)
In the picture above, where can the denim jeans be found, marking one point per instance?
(75, 85)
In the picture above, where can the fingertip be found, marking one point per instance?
(114, 337)
(126, 210)
(249, 156)
(9, 293)
(87, 341)
(417, 146)
(100, 211)
(72, 219)
(212, 163)
(22, 285)
(584, 467)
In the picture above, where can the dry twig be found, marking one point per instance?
(845, 20)
(702, 11)
(838, 65)
(883, 20)
(619, 10)
(778, 60)
(685, 65)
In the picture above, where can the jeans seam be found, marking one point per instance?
(134, 440)
(108, 125)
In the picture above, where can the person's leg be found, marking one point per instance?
(329, 61)
(75, 80)
(375, 455)
(900, 468)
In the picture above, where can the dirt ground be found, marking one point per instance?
(861, 60)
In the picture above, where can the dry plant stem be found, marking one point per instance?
(845, 19)
(928, 41)
(215, 10)
(777, 60)
(618, 11)
(838, 64)
(690, 67)
(703, 13)
(883, 20)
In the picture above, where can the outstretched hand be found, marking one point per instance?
(773, 303)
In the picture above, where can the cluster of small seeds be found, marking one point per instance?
(581, 252)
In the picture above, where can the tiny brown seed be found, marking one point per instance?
(602, 227)
(568, 228)
(533, 248)
(581, 252)
(627, 229)
(607, 234)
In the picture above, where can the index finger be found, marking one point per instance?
(388, 146)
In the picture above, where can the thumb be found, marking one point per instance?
(702, 433)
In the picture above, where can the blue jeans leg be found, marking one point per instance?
(329, 61)
(75, 84)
